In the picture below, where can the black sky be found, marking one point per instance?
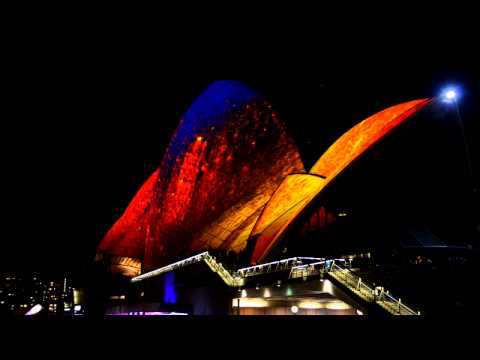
(85, 124)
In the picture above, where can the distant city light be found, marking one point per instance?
(359, 312)
(294, 309)
(244, 293)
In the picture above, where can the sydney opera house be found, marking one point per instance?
(232, 180)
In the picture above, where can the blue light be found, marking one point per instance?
(169, 296)
(450, 94)
(210, 109)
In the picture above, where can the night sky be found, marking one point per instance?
(84, 129)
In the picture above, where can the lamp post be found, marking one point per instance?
(450, 96)
(465, 143)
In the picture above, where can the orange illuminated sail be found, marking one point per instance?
(290, 199)
(362, 136)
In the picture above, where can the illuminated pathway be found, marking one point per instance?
(216, 267)
(298, 267)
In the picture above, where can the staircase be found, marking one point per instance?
(378, 295)
(215, 266)
(229, 279)
(299, 267)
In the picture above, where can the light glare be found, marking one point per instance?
(34, 310)
(451, 94)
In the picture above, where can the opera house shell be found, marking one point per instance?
(232, 176)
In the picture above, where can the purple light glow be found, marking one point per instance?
(147, 313)
(34, 310)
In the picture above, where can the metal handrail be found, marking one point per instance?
(355, 284)
(233, 281)
(274, 266)
(171, 267)
(206, 257)
(395, 306)
(345, 276)
(306, 270)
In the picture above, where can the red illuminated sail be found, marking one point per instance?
(227, 157)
